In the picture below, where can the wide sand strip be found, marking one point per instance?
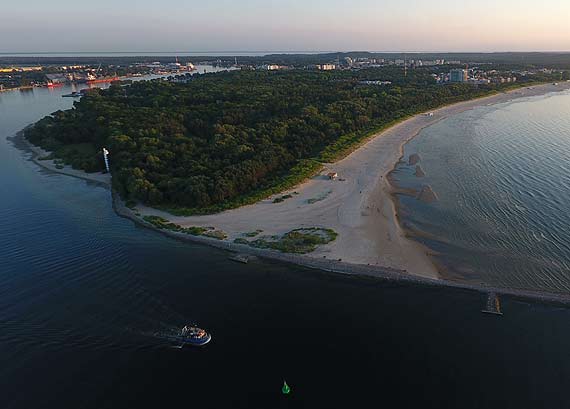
(358, 205)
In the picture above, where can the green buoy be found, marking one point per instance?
(285, 389)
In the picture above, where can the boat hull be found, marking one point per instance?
(192, 342)
(201, 342)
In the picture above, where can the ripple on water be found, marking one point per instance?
(502, 176)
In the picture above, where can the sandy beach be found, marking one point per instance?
(358, 205)
(39, 153)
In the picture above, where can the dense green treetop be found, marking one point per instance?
(229, 138)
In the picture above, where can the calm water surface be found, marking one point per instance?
(502, 174)
(82, 293)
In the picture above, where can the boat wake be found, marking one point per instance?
(188, 335)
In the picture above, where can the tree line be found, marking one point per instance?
(229, 138)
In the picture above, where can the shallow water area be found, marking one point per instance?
(502, 178)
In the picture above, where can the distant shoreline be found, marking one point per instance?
(37, 153)
(376, 194)
(359, 206)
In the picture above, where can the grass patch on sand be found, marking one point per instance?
(282, 198)
(163, 224)
(301, 241)
(320, 197)
(215, 234)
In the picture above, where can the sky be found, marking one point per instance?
(284, 25)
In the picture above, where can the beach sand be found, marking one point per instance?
(38, 153)
(358, 205)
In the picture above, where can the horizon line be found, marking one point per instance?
(6, 53)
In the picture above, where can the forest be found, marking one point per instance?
(227, 139)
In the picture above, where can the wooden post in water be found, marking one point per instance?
(493, 305)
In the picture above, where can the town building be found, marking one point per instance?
(270, 67)
(56, 78)
(457, 76)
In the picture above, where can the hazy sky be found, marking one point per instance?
(284, 25)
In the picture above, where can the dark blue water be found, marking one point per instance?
(82, 292)
(502, 174)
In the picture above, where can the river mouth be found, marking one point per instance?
(500, 176)
(84, 293)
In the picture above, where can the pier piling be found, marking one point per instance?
(493, 305)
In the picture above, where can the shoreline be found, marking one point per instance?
(342, 268)
(22, 143)
(358, 205)
(451, 271)
(21, 88)
(378, 195)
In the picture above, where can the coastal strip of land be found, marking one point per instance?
(357, 204)
(352, 197)
(40, 157)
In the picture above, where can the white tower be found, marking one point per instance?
(106, 157)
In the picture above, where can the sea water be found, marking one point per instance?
(502, 177)
(85, 294)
